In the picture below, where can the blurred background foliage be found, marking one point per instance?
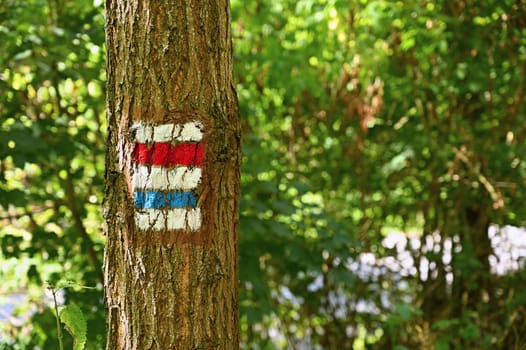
(383, 174)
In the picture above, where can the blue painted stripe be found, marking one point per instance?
(158, 200)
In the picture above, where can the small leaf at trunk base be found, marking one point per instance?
(75, 323)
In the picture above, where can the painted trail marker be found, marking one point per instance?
(167, 172)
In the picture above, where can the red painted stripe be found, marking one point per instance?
(166, 154)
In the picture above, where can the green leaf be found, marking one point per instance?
(471, 331)
(400, 347)
(75, 323)
(405, 311)
(441, 325)
(442, 344)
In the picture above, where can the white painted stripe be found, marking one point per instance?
(168, 132)
(150, 220)
(193, 219)
(191, 132)
(172, 219)
(161, 178)
(182, 218)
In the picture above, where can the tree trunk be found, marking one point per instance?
(172, 176)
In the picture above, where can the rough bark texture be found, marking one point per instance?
(171, 62)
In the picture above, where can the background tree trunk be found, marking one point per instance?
(169, 64)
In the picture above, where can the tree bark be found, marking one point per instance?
(171, 281)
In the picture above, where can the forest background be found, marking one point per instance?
(383, 178)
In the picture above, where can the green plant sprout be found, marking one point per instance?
(71, 315)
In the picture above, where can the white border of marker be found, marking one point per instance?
(168, 132)
(161, 178)
(171, 219)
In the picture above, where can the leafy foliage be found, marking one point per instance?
(368, 118)
(51, 159)
(360, 119)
